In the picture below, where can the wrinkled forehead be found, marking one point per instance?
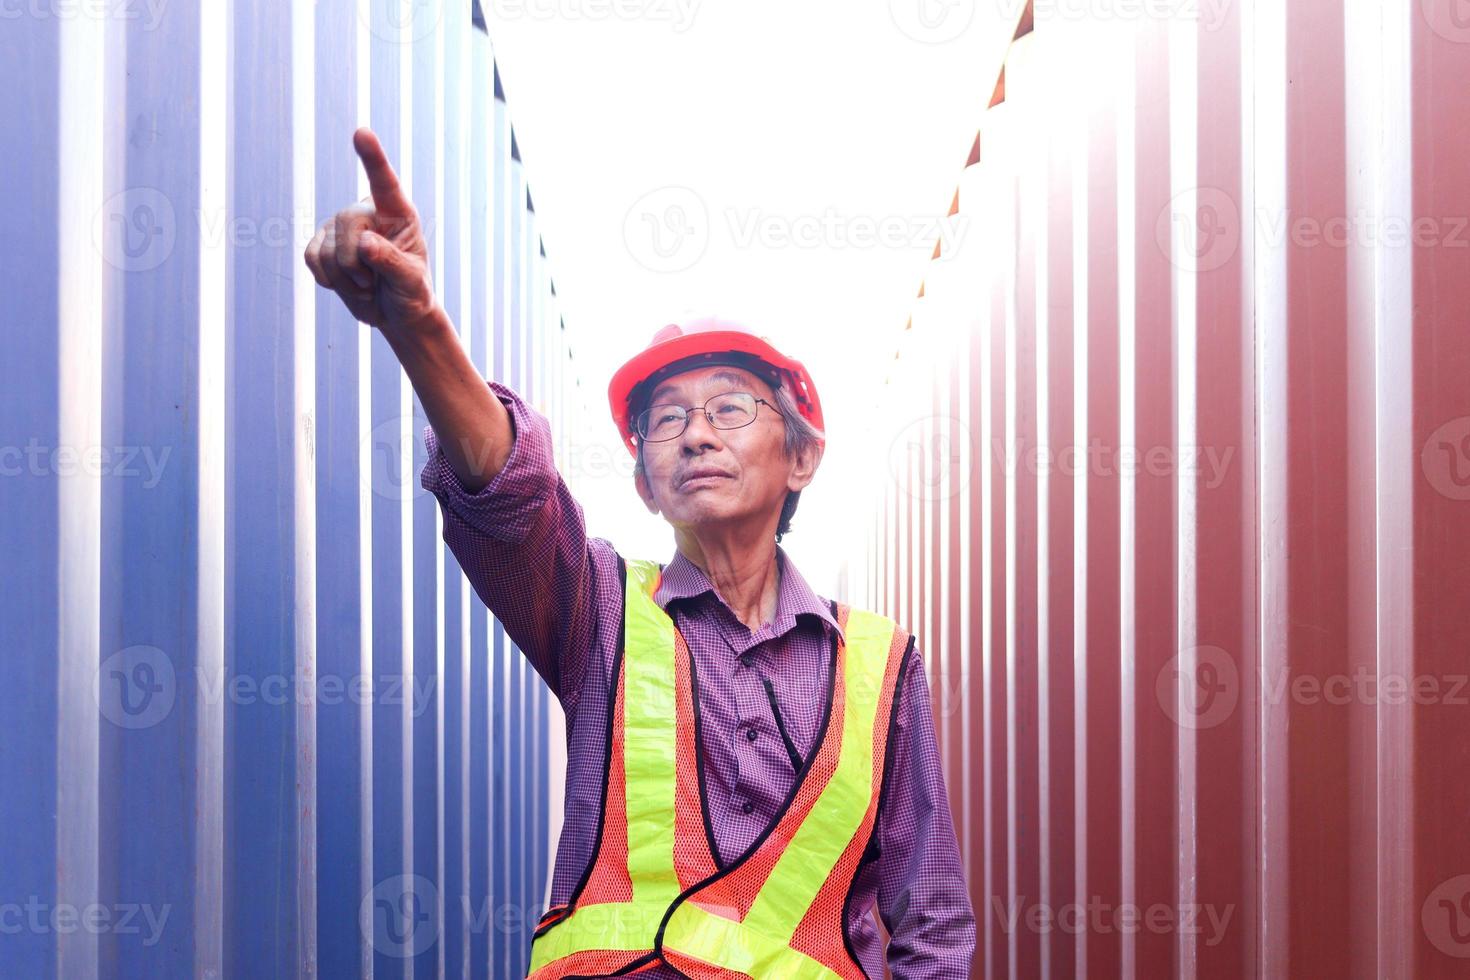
(697, 384)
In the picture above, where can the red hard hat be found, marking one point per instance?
(698, 343)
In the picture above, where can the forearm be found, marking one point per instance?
(473, 427)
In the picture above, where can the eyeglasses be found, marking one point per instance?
(731, 410)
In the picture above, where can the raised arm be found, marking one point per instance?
(509, 517)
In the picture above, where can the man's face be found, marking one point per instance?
(709, 476)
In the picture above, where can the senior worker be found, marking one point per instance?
(750, 766)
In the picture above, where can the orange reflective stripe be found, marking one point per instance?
(609, 880)
(692, 858)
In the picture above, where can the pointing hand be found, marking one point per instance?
(373, 254)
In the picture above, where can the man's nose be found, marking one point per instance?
(705, 434)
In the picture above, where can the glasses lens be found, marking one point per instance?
(661, 422)
(731, 410)
(728, 411)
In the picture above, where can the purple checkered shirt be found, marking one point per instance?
(523, 544)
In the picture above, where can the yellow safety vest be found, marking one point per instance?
(654, 892)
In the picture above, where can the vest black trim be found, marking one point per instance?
(637, 964)
(794, 755)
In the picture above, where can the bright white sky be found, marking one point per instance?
(784, 164)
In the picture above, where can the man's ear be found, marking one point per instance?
(806, 466)
(640, 482)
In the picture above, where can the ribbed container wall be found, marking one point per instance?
(257, 723)
(1179, 492)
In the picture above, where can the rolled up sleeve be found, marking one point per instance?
(522, 542)
(505, 509)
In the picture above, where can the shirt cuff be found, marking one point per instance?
(506, 507)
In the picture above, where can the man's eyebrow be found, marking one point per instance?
(729, 377)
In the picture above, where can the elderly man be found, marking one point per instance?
(750, 766)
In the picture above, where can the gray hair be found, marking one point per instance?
(801, 436)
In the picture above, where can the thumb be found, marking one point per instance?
(384, 258)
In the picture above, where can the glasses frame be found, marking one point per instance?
(639, 423)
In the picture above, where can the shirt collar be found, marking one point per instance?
(682, 579)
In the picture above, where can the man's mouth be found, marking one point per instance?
(702, 478)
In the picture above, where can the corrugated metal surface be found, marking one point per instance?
(1180, 493)
(256, 722)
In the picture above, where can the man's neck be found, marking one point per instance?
(748, 580)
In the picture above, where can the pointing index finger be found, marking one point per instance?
(388, 196)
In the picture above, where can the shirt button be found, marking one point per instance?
(746, 659)
(747, 806)
(750, 734)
